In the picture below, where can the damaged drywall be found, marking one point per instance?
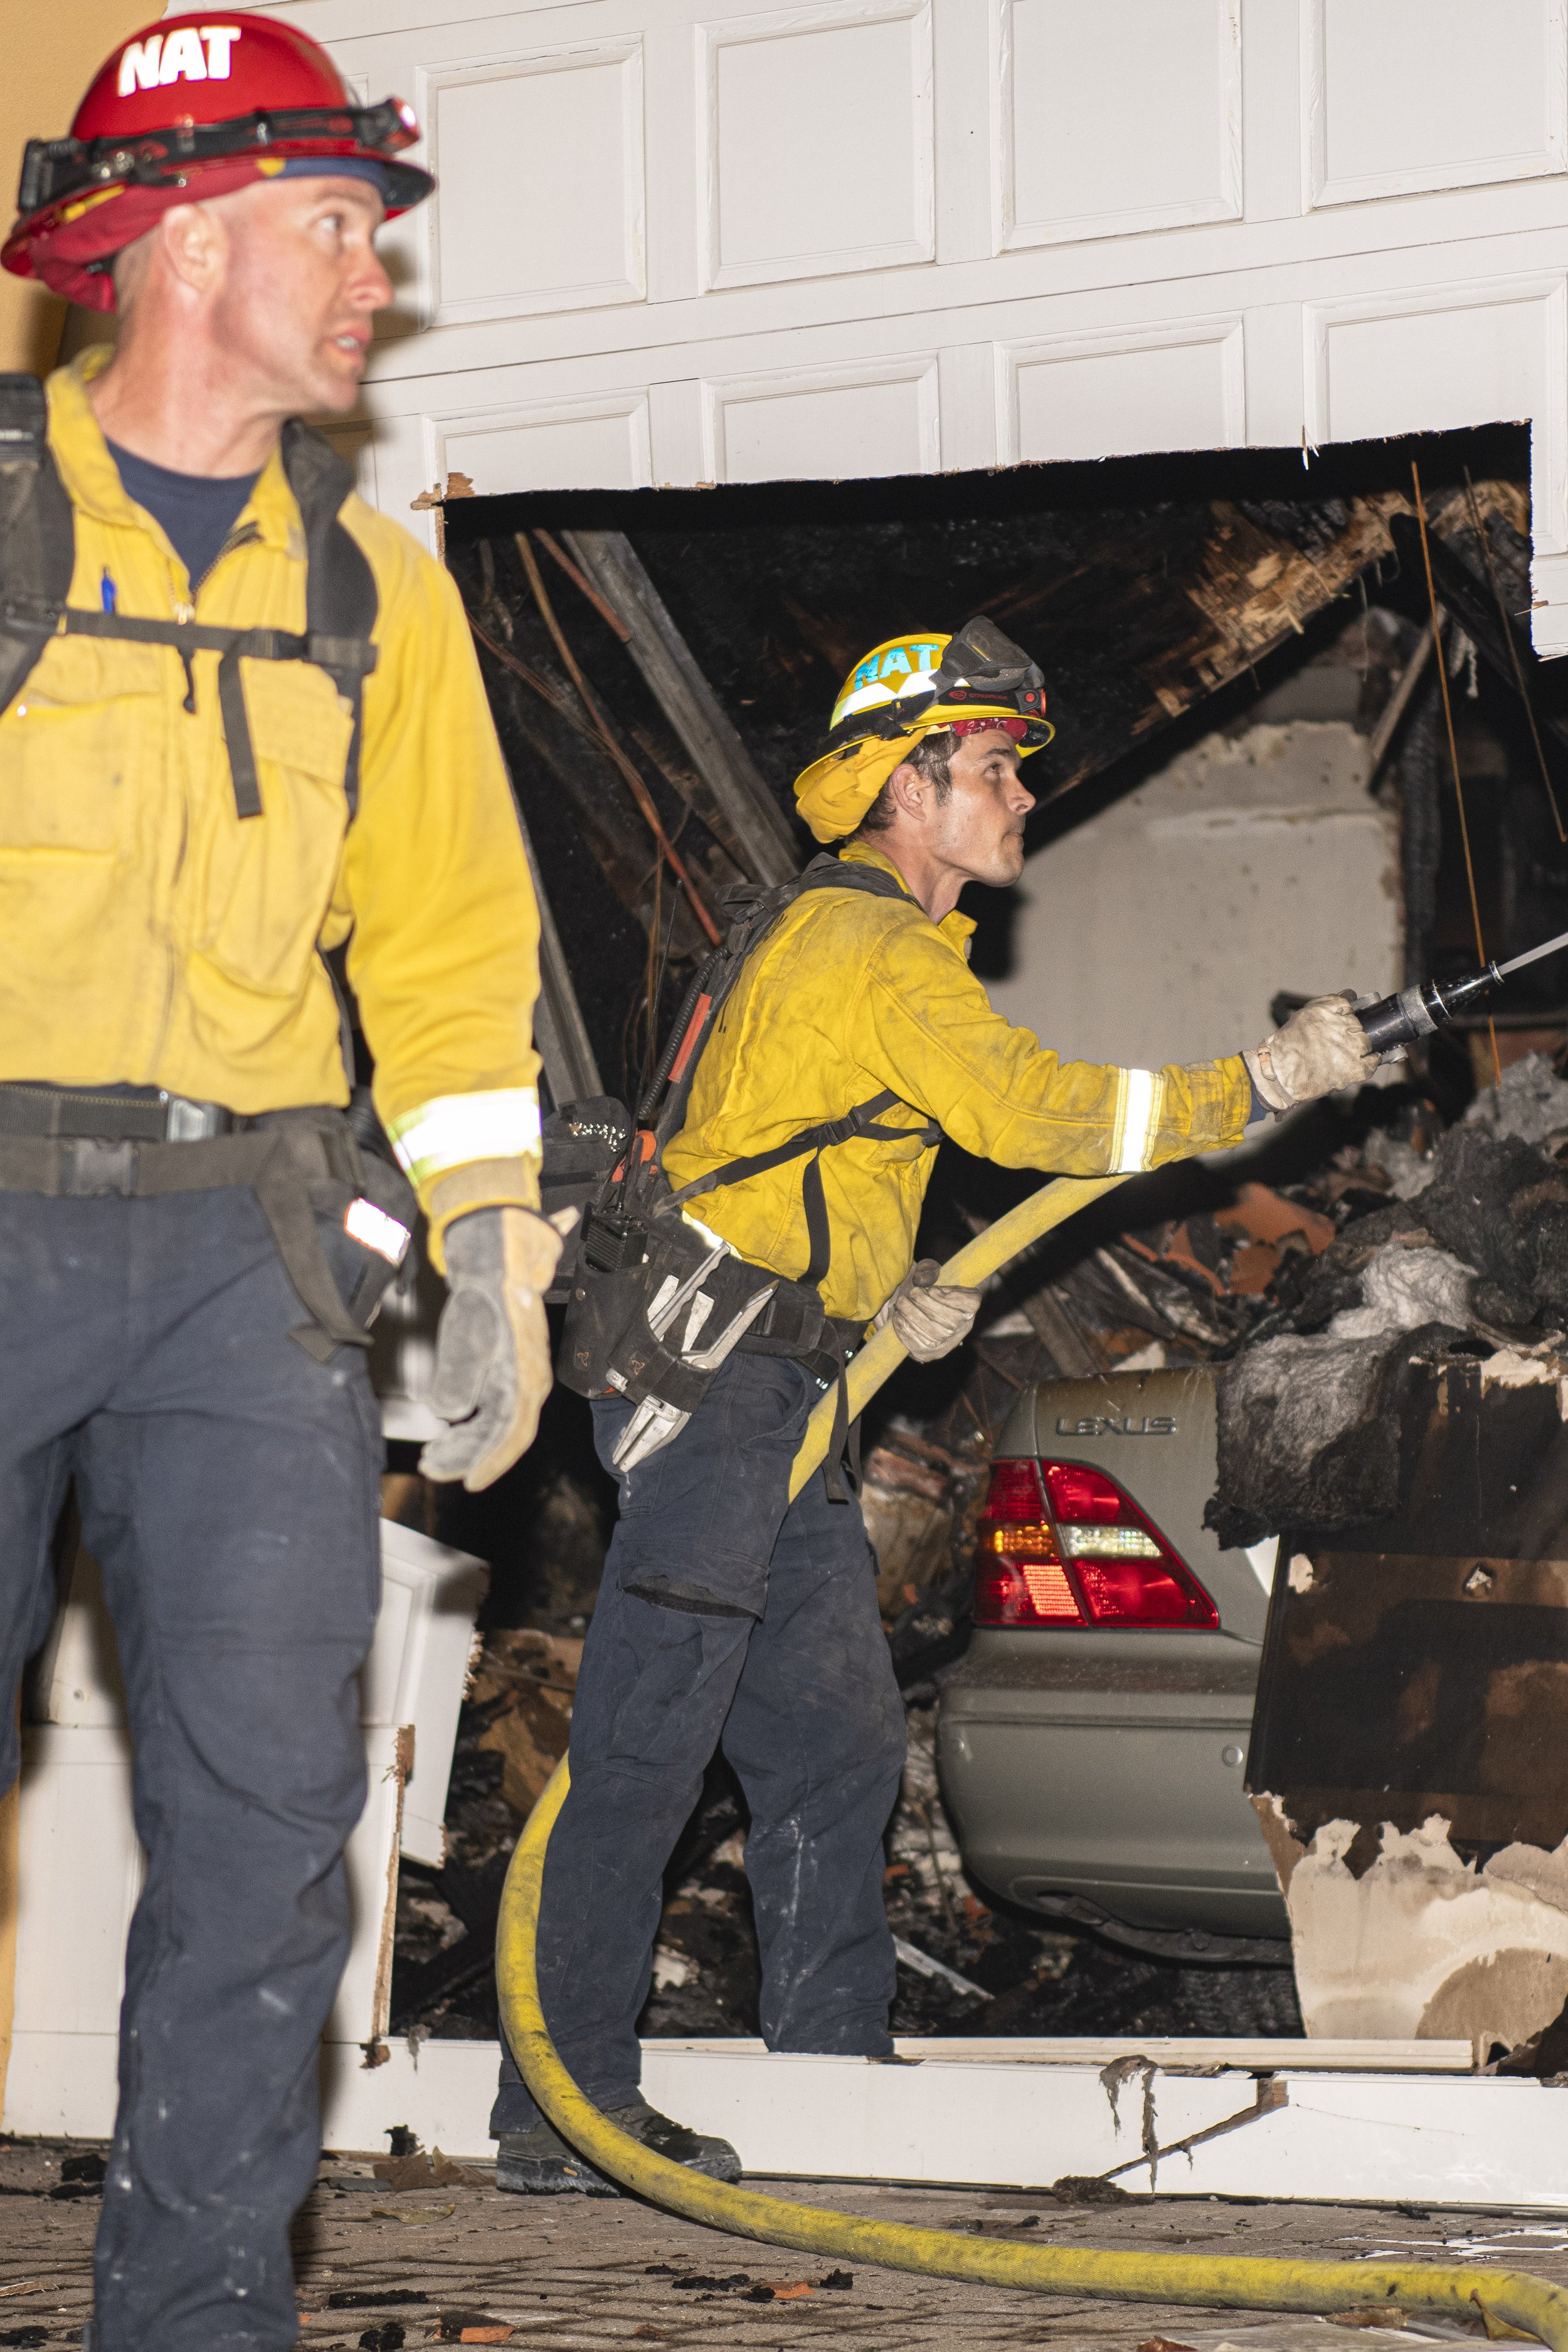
(1253, 862)
(1420, 1941)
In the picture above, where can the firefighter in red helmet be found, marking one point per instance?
(240, 726)
(186, 110)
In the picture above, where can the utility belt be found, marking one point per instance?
(142, 1143)
(655, 1308)
(654, 1305)
(793, 1324)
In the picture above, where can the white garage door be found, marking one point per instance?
(885, 236)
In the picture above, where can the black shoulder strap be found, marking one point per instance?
(694, 1026)
(861, 1120)
(38, 533)
(826, 872)
(340, 607)
(755, 912)
(341, 602)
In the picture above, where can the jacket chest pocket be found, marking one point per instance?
(265, 882)
(79, 746)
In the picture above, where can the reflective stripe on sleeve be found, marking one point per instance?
(455, 1128)
(1138, 1099)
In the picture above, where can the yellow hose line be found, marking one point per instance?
(883, 1354)
(1245, 2283)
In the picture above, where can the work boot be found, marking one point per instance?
(538, 2163)
(678, 2142)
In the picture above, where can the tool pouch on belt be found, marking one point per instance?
(371, 1173)
(583, 1142)
(638, 1254)
(625, 1250)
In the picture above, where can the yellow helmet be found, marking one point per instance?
(907, 687)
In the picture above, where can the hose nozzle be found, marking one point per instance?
(1417, 1011)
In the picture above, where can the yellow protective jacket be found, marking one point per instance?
(850, 995)
(153, 937)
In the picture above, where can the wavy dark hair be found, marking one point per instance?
(932, 759)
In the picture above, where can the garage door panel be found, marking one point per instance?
(830, 424)
(1117, 118)
(1167, 388)
(552, 445)
(1395, 104)
(817, 130)
(540, 161)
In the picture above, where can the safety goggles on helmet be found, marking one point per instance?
(1019, 729)
(980, 670)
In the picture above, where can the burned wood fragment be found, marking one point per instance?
(605, 729)
(735, 803)
(1419, 1665)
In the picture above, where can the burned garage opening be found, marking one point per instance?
(1303, 745)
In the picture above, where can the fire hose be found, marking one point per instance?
(986, 1254)
(1503, 2300)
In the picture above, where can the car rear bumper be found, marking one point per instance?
(1110, 1767)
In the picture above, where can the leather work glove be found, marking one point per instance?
(1322, 1046)
(928, 1316)
(492, 1346)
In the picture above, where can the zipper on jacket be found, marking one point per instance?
(185, 606)
(236, 538)
(184, 612)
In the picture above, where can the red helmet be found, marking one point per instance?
(190, 107)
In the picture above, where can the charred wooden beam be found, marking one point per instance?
(736, 804)
(560, 1033)
(625, 852)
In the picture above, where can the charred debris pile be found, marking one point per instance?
(660, 665)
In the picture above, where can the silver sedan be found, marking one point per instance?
(1091, 1744)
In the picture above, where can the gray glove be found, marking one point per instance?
(931, 1318)
(1321, 1047)
(492, 1345)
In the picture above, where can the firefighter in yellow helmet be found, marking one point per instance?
(729, 1615)
(909, 687)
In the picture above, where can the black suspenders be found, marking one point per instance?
(38, 541)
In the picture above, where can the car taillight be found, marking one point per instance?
(1061, 1544)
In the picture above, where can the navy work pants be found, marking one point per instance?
(229, 1489)
(728, 1616)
